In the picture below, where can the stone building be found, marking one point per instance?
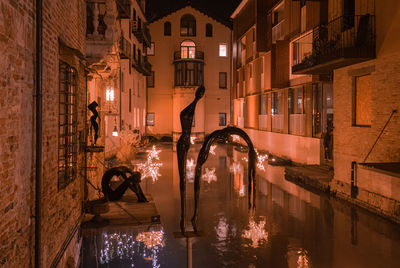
(63, 118)
(282, 111)
(190, 48)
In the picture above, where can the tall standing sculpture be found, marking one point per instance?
(182, 148)
(223, 135)
(93, 119)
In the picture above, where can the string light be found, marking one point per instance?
(236, 138)
(192, 139)
(150, 169)
(190, 169)
(260, 160)
(153, 239)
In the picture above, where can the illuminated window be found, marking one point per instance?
(109, 94)
(188, 25)
(150, 119)
(188, 50)
(362, 101)
(223, 51)
(167, 28)
(67, 132)
(222, 119)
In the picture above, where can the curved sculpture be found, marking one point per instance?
(92, 107)
(223, 134)
(182, 147)
(131, 181)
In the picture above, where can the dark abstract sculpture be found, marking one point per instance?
(92, 107)
(182, 148)
(130, 181)
(223, 135)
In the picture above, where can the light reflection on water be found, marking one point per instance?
(291, 227)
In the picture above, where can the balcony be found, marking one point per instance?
(123, 7)
(142, 66)
(185, 55)
(125, 48)
(141, 32)
(277, 31)
(344, 41)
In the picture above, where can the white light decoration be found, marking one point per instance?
(256, 232)
(222, 229)
(236, 138)
(260, 160)
(212, 149)
(153, 153)
(192, 139)
(302, 260)
(209, 175)
(153, 239)
(190, 170)
(150, 169)
(236, 168)
(242, 190)
(245, 159)
(110, 94)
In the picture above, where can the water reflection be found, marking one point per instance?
(209, 175)
(291, 227)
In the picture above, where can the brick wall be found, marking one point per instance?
(61, 209)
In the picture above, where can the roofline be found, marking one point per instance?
(226, 23)
(239, 8)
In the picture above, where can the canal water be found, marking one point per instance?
(290, 227)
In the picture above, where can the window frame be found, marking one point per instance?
(151, 77)
(226, 50)
(219, 119)
(354, 102)
(225, 82)
(167, 28)
(188, 22)
(148, 119)
(151, 51)
(67, 131)
(209, 30)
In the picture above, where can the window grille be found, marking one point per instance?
(67, 134)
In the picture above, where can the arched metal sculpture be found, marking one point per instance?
(130, 179)
(183, 145)
(223, 134)
(92, 107)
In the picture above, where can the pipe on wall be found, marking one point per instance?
(38, 153)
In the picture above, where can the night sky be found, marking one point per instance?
(220, 8)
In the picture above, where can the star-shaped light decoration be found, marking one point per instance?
(209, 175)
(150, 169)
(153, 153)
(260, 160)
(192, 139)
(212, 149)
(236, 138)
(256, 232)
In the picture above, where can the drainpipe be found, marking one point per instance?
(38, 168)
(353, 180)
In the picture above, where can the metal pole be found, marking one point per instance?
(38, 170)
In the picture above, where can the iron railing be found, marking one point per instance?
(198, 55)
(140, 30)
(344, 37)
(125, 48)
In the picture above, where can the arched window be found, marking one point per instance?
(167, 28)
(209, 30)
(188, 49)
(188, 25)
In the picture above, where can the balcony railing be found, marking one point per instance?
(343, 41)
(125, 48)
(277, 31)
(123, 7)
(198, 55)
(141, 32)
(142, 66)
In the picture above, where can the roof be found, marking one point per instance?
(238, 9)
(227, 22)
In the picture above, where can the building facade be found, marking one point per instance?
(283, 112)
(189, 49)
(117, 41)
